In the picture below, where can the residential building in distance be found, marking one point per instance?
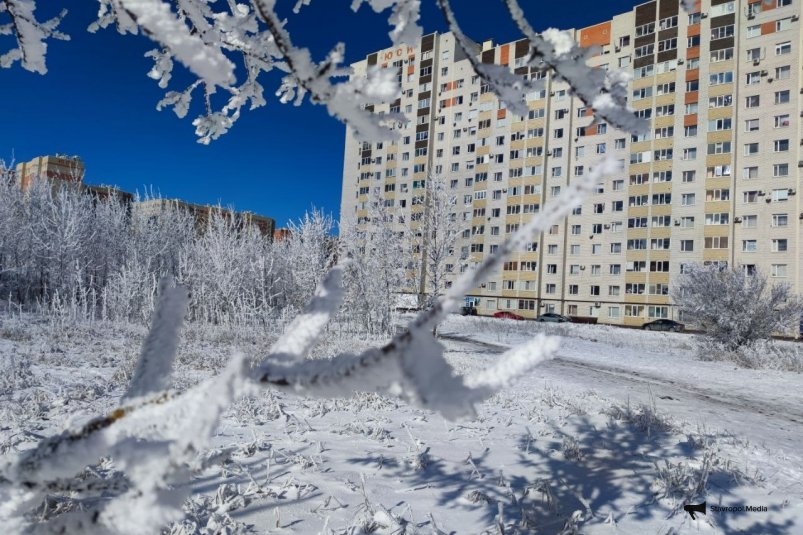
(714, 180)
(69, 170)
(202, 212)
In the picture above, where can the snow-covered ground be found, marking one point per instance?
(612, 436)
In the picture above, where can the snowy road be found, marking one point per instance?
(717, 407)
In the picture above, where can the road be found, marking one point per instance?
(745, 414)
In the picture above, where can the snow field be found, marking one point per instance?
(543, 456)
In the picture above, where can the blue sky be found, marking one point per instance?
(279, 160)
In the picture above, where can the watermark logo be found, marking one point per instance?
(691, 509)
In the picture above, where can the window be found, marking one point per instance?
(780, 195)
(780, 220)
(783, 48)
(750, 149)
(752, 101)
(751, 125)
(753, 31)
(780, 169)
(778, 270)
(782, 97)
(687, 199)
(720, 101)
(687, 222)
(689, 154)
(750, 221)
(721, 78)
(754, 54)
(690, 131)
(783, 73)
(716, 242)
(781, 145)
(750, 172)
(753, 78)
(717, 219)
(686, 245)
(782, 121)
(616, 248)
(780, 245)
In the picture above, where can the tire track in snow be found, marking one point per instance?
(666, 388)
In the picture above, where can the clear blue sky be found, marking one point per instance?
(279, 160)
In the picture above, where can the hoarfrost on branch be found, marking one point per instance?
(227, 46)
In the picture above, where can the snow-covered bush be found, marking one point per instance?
(736, 307)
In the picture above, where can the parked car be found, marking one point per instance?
(468, 310)
(552, 317)
(506, 314)
(663, 325)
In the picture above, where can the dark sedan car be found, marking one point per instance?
(663, 325)
(552, 317)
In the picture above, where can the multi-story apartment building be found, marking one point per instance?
(714, 180)
(62, 170)
(67, 169)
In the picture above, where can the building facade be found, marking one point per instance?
(715, 179)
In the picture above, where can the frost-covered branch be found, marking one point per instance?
(220, 42)
(30, 33)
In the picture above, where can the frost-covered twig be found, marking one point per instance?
(155, 364)
(30, 33)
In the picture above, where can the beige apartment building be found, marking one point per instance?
(714, 180)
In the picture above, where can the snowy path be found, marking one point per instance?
(751, 414)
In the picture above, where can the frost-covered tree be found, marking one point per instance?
(375, 274)
(434, 240)
(736, 307)
(305, 255)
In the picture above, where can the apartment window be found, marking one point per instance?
(780, 195)
(750, 221)
(750, 197)
(689, 154)
(778, 270)
(783, 48)
(687, 199)
(616, 248)
(551, 288)
(726, 54)
(716, 242)
(780, 169)
(689, 176)
(783, 73)
(753, 78)
(751, 125)
(721, 78)
(552, 249)
(720, 101)
(687, 222)
(717, 219)
(753, 101)
(781, 121)
(781, 145)
(750, 149)
(686, 245)
(780, 245)
(782, 97)
(780, 220)
(692, 108)
(750, 172)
